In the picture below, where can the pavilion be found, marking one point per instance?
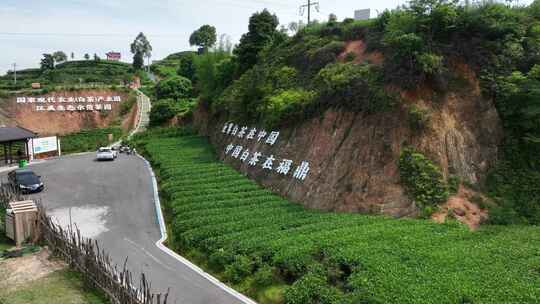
(15, 137)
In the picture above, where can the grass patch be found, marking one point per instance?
(323, 257)
(63, 286)
(5, 243)
(89, 140)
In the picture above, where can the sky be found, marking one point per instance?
(29, 28)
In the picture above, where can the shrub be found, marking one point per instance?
(149, 91)
(504, 215)
(358, 87)
(175, 87)
(88, 140)
(162, 111)
(292, 262)
(418, 117)
(453, 184)
(355, 29)
(264, 276)
(240, 268)
(430, 64)
(284, 78)
(220, 258)
(325, 55)
(214, 71)
(243, 99)
(285, 105)
(186, 67)
(517, 189)
(422, 179)
(350, 56)
(128, 104)
(311, 288)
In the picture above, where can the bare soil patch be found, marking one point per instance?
(16, 272)
(461, 208)
(358, 47)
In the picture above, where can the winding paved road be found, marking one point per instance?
(113, 203)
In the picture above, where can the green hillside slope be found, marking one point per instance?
(71, 72)
(170, 65)
(276, 251)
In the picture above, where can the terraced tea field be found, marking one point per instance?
(277, 251)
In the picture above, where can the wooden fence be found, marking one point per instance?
(85, 256)
(9, 193)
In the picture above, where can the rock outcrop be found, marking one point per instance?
(354, 157)
(60, 123)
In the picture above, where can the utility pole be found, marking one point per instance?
(308, 6)
(15, 73)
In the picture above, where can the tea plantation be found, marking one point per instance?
(70, 73)
(278, 252)
(89, 140)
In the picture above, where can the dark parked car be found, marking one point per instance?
(26, 180)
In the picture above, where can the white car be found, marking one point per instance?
(106, 154)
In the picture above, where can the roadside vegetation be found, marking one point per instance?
(89, 140)
(279, 252)
(62, 286)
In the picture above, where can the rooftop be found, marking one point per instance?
(8, 134)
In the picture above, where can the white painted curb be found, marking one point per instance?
(179, 258)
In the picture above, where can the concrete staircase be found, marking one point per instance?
(143, 115)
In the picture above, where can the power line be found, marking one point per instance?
(308, 6)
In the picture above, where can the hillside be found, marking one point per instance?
(339, 164)
(170, 65)
(276, 251)
(431, 104)
(71, 72)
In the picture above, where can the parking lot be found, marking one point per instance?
(113, 202)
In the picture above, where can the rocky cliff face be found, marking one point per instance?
(354, 157)
(65, 122)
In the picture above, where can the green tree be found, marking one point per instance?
(187, 67)
(205, 37)
(138, 61)
(72, 55)
(59, 56)
(86, 56)
(212, 70)
(96, 57)
(175, 87)
(141, 46)
(165, 109)
(47, 62)
(161, 112)
(262, 29)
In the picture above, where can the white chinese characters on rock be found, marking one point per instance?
(269, 163)
(70, 104)
(248, 133)
(73, 108)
